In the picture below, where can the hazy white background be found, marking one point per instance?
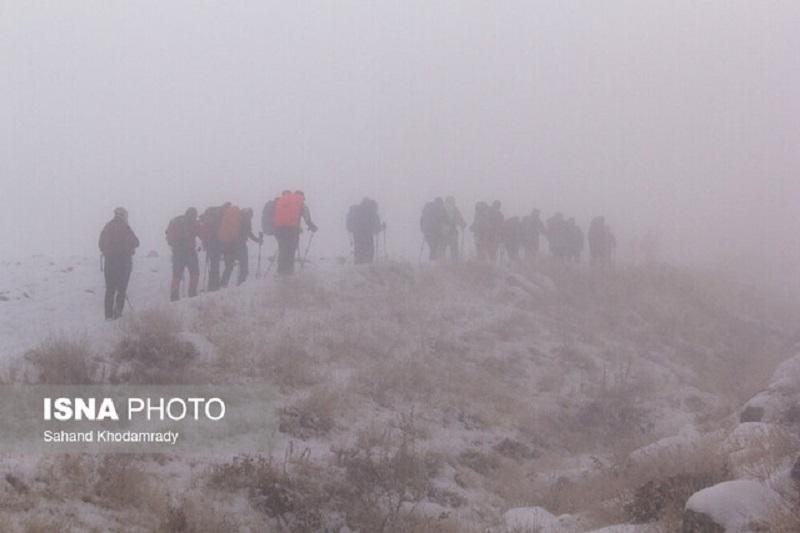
(680, 117)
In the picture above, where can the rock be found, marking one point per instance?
(699, 523)
(17, 484)
(739, 506)
(514, 449)
(537, 519)
(753, 447)
(752, 413)
(152, 254)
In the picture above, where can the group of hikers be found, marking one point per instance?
(225, 230)
(443, 228)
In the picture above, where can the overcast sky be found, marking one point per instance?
(680, 117)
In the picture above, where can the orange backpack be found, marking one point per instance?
(230, 225)
(287, 211)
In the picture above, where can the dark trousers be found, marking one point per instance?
(451, 243)
(363, 247)
(184, 260)
(117, 271)
(237, 254)
(213, 256)
(435, 246)
(288, 238)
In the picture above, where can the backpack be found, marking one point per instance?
(266, 218)
(209, 223)
(230, 225)
(174, 231)
(288, 209)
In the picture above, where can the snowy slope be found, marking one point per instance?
(550, 387)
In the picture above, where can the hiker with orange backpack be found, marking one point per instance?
(287, 212)
(182, 238)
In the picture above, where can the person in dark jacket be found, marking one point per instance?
(495, 228)
(513, 237)
(480, 230)
(575, 239)
(182, 238)
(454, 229)
(433, 224)
(117, 244)
(601, 242)
(364, 222)
(558, 236)
(532, 228)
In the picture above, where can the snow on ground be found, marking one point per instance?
(553, 389)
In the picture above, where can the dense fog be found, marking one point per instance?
(677, 120)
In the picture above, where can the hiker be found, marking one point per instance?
(495, 222)
(228, 235)
(208, 231)
(601, 242)
(557, 236)
(289, 209)
(513, 237)
(239, 252)
(480, 230)
(181, 236)
(532, 229)
(117, 243)
(433, 225)
(364, 223)
(575, 241)
(454, 226)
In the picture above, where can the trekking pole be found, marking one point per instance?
(352, 247)
(385, 252)
(127, 299)
(102, 267)
(308, 247)
(421, 249)
(258, 267)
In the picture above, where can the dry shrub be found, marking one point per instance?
(68, 474)
(121, 481)
(409, 379)
(152, 353)
(63, 361)
(199, 514)
(290, 366)
(313, 416)
(46, 523)
(385, 478)
(293, 493)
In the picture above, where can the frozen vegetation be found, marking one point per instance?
(454, 397)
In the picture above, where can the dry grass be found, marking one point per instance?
(315, 415)
(151, 353)
(64, 361)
